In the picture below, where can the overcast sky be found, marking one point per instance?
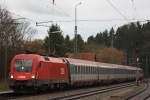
(102, 10)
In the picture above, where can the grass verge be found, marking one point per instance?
(3, 86)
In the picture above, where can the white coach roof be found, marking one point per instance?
(99, 64)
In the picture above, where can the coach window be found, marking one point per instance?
(108, 70)
(103, 70)
(83, 69)
(100, 70)
(123, 71)
(71, 70)
(120, 72)
(93, 70)
(75, 69)
(78, 69)
(88, 70)
(111, 71)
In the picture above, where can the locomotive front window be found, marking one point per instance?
(23, 65)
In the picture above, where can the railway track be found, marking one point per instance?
(90, 93)
(11, 95)
(7, 95)
(143, 94)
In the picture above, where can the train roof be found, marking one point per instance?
(27, 56)
(99, 64)
(52, 59)
(76, 61)
(41, 58)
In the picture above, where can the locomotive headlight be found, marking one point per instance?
(11, 76)
(33, 76)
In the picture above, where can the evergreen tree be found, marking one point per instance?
(111, 37)
(80, 43)
(68, 44)
(54, 42)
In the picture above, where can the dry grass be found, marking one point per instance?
(3, 86)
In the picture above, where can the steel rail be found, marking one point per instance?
(139, 92)
(90, 93)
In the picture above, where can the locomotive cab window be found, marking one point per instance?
(23, 65)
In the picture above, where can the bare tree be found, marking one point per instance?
(13, 35)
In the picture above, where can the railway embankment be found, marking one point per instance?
(3, 86)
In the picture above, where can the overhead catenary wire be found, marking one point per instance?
(113, 6)
(135, 13)
(90, 20)
(21, 17)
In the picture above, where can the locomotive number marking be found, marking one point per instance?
(21, 77)
(62, 71)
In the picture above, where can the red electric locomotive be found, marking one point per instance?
(30, 71)
(35, 72)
